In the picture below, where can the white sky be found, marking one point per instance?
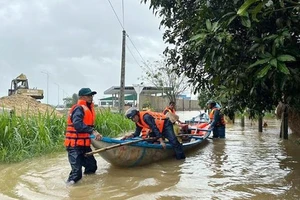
(78, 43)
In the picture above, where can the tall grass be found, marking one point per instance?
(28, 136)
(112, 124)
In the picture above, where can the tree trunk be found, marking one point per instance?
(260, 124)
(284, 123)
(242, 121)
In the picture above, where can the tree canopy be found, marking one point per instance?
(247, 53)
(70, 101)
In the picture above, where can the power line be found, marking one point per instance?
(137, 50)
(122, 25)
(112, 7)
(133, 56)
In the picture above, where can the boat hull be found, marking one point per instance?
(141, 153)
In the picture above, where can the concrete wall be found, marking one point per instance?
(160, 103)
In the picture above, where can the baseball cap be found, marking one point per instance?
(86, 92)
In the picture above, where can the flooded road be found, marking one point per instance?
(245, 165)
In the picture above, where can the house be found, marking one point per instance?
(148, 96)
(133, 97)
(113, 101)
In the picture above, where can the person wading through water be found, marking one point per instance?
(178, 126)
(217, 121)
(80, 125)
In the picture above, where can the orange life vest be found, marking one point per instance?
(74, 138)
(211, 117)
(169, 110)
(158, 117)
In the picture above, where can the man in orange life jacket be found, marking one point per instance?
(159, 125)
(80, 126)
(217, 121)
(171, 109)
(178, 126)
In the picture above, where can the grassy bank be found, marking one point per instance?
(25, 136)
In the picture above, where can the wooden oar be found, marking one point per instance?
(114, 146)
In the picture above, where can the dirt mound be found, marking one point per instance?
(22, 104)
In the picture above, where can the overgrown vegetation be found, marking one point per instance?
(26, 136)
(245, 52)
(112, 124)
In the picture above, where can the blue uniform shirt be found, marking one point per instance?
(77, 119)
(151, 123)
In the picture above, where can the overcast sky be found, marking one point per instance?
(77, 43)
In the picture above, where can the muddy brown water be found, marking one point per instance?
(245, 165)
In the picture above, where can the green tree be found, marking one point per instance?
(203, 97)
(247, 53)
(70, 101)
(74, 98)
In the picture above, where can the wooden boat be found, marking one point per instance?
(201, 118)
(199, 129)
(141, 152)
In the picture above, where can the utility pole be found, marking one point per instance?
(122, 83)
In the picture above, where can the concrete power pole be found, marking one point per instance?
(122, 83)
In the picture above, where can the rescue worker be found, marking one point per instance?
(171, 109)
(217, 121)
(178, 126)
(145, 133)
(160, 126)
(80, 126)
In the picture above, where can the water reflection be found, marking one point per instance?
(141, 182)
(128, 183)
(218, 157)
(290, 162)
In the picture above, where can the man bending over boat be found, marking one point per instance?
(160, 126)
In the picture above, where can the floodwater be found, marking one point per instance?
(245, 165)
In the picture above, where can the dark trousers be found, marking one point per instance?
(168, 132)
(77, 160)
(219, 132)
